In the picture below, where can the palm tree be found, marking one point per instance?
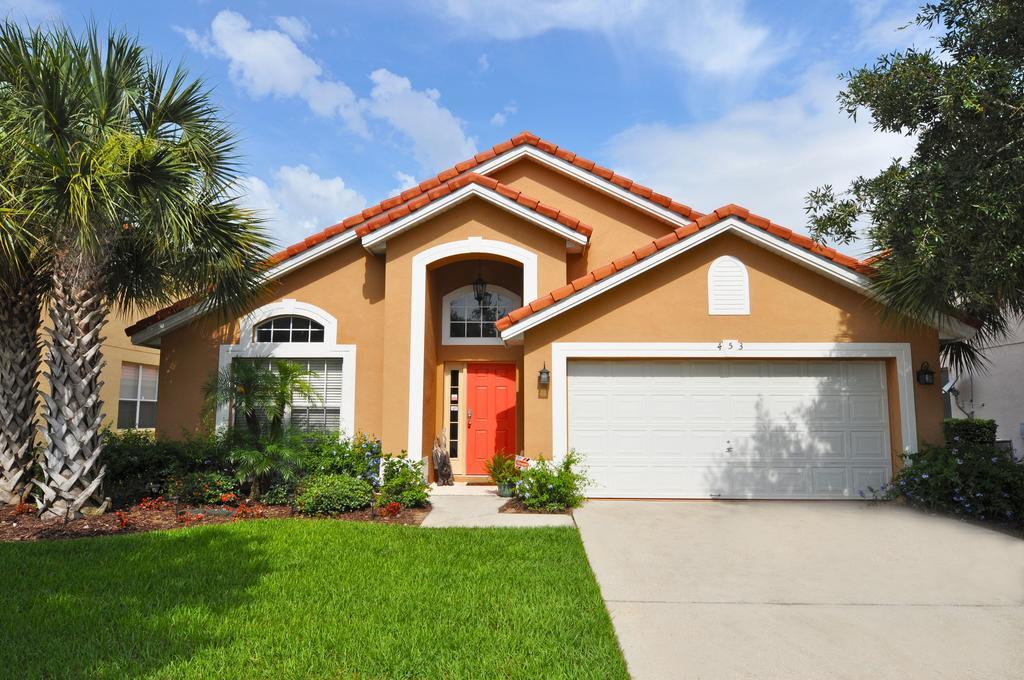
(129, 176)
(22, 282)
(260, 393)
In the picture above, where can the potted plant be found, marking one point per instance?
(502, 469)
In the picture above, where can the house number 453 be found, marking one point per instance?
(729, 345)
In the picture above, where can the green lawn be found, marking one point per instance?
(291, 599)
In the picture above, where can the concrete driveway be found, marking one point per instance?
(772, 589)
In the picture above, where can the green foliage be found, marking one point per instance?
(202, 488)
(358, 456)
(403, 483)
(261, 393)
(139, 466)
(328, 494)
(281, 493)
(502, 468)
(965, 480)
(259, 466)
(949, 219)
(969, 432)
(548, 487)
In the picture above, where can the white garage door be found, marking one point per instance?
(730, 429)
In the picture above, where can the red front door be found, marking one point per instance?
(490, 413)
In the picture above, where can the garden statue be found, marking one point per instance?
(442, 464)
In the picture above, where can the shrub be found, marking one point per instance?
(139, 466)
(282, 493)
(502, 468)
(973, 480)
(548, 487)
(358, 456)
(262, 465)
(403, 483)
(203, 488)
(969, 431)
(327, 494)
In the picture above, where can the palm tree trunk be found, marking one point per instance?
(73, 412)
(19, 366)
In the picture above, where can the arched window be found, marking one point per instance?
(466, 321)
(728, 287)
(289, 329)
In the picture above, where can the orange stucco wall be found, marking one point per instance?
(348, 284)
(788, 303)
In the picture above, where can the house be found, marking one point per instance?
(129, 376)
(530, 300)
(996, 394)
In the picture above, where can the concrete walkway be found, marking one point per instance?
(806, 590)
(478, 507)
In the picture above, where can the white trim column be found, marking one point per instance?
(417, 324)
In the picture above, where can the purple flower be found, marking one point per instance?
(924, 476)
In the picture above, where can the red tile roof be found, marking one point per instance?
(679, 234)
(454, 185)
(445, 176)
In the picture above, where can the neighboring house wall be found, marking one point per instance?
(117, 350)
(998, 393)
(788, 304)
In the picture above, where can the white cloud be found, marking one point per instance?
(715, 38)
(29, 10)
(483, 63)
(405, 181)
(438, 138)
(885, 25)
(501, 117)
(297, 27)
(764, 155)
(268, 63)
(297, 201)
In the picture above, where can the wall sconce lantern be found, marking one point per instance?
(925, 375)
(544, 376)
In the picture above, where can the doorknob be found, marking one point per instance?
(469, 415)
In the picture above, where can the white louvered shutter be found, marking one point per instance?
(728, 287)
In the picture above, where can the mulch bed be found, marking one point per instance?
(514, 505)
(26, 526)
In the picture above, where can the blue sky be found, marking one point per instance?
(339, 104)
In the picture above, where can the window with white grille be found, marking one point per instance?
(323, 414)
(728, 287)
(137, 404)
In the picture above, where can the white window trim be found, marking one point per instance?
(561, 352)
(248, 348)
(417, 326)
(446, 307)
(138, 393)
(717, 309)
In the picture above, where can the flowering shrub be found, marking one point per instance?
(203, 488)
(248, 511)
(403, 482)
(327, 494)
(969, 477)
(229, 499)
(358, 456)
(23, 509)
(122, 519)
(548, 487)
(189, 519)
(157, 503)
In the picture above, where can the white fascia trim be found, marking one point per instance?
(374, 241)
(842, 275)
(588, 178)
(151, 333)
(248, 348)
(562, 352)
(417, 323)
